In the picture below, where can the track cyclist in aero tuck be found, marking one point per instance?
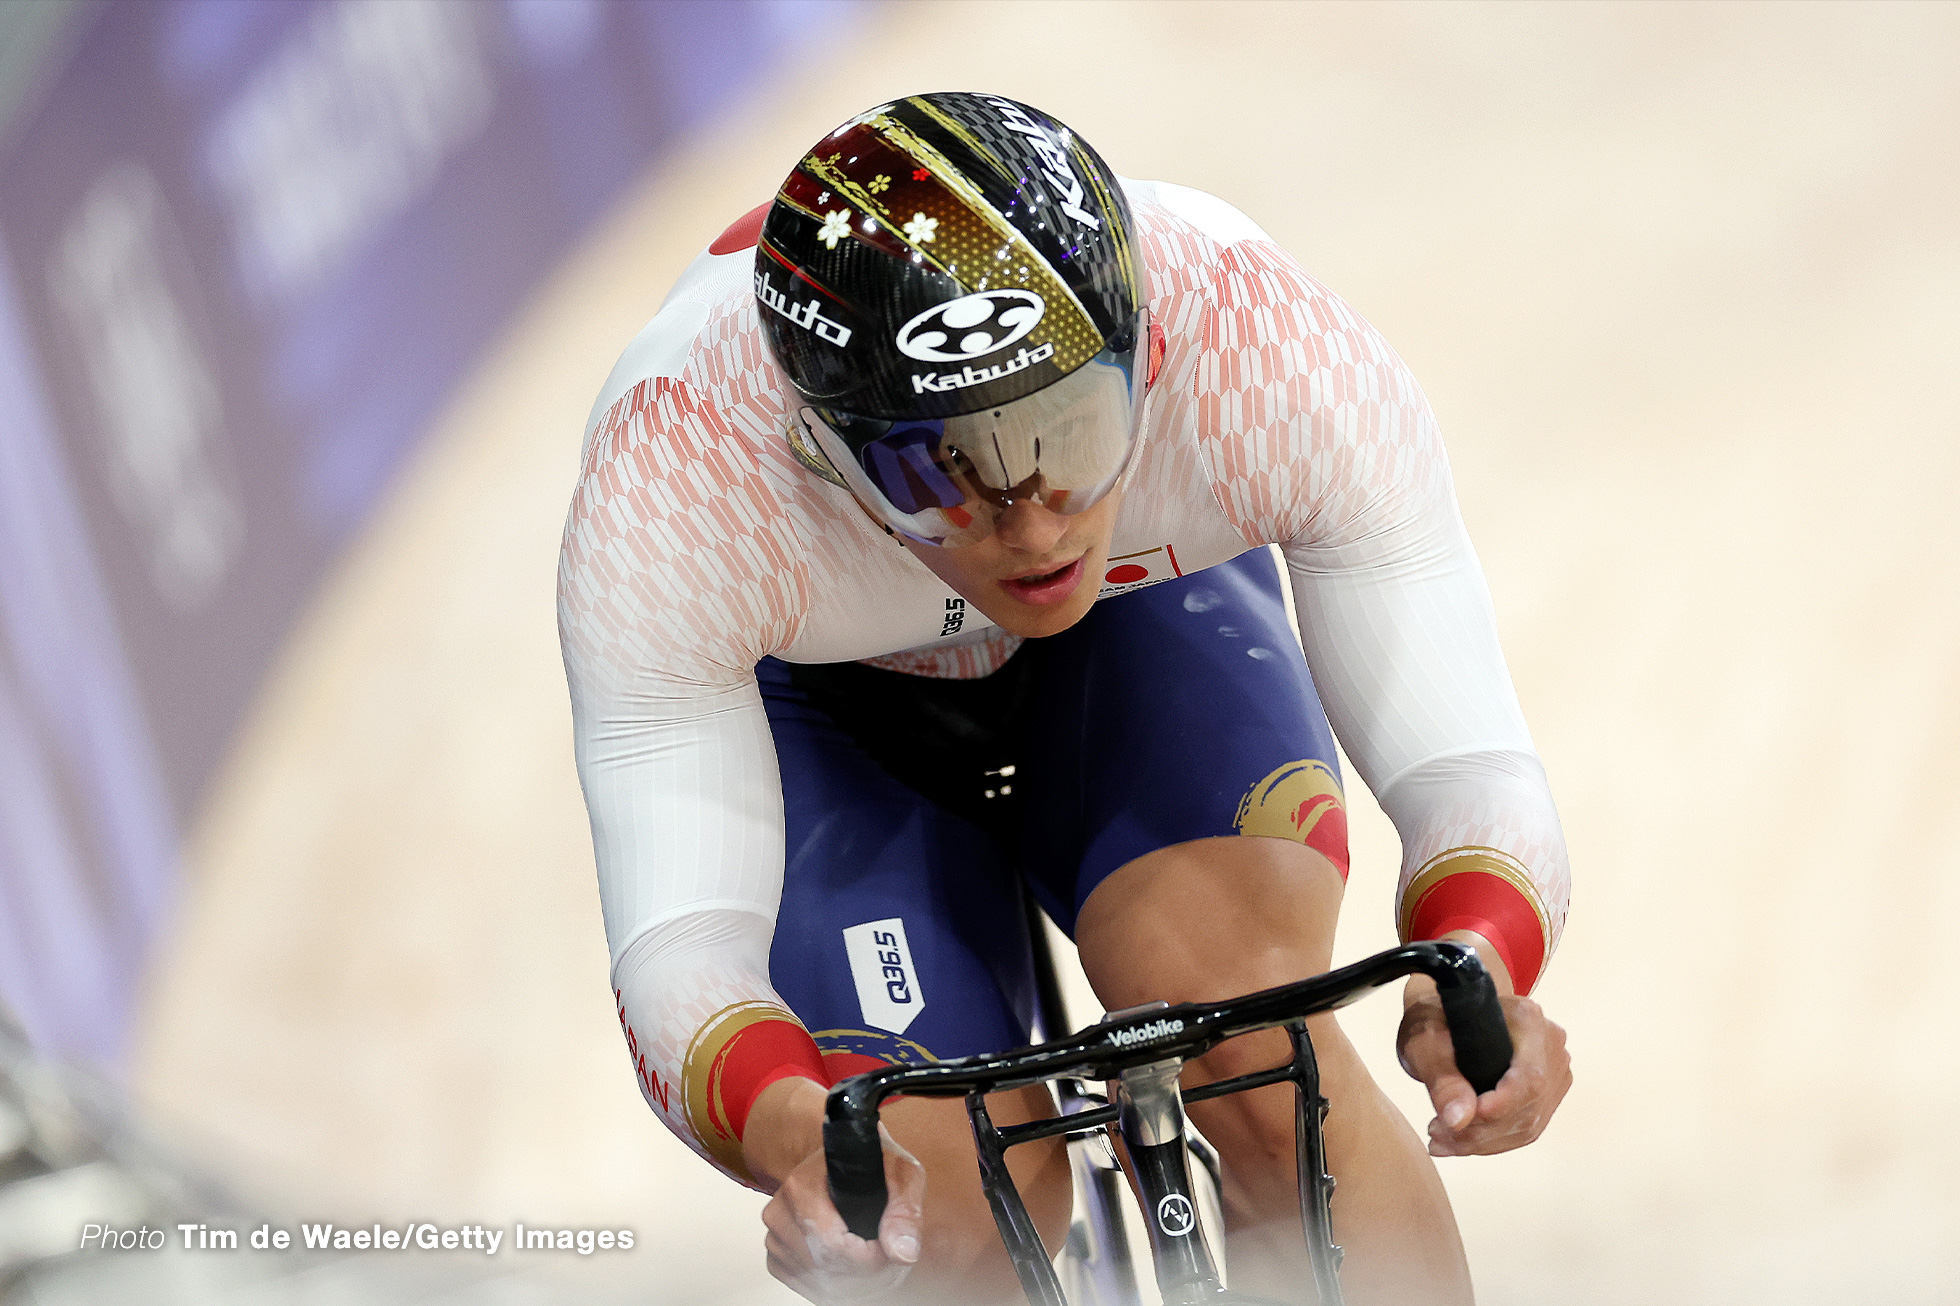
(919, 562)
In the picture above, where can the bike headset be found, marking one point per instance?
(951, 284)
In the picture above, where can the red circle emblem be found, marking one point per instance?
(1126, 573)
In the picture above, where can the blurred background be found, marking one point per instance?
(302, 307)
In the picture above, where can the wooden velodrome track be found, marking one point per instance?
(1684, 286)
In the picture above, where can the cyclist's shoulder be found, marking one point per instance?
(686, 455)
(1210, 255)
(1165, 208)
(704, 339)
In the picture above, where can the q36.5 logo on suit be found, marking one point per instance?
(881, 967)
(972, 326)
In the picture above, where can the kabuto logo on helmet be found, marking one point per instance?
(972, 326)
(1054, 161)
(808, 314)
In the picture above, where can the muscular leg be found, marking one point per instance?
(864, 846)
(1214, 918)
(962, 1259)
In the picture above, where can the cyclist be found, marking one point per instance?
(917, 555)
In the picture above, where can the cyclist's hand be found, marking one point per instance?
(809, 1247)
(1511, 1114)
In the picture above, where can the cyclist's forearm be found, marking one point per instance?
(785, 1126)
(1482, 854)
(1481, 842)
(708, 1035)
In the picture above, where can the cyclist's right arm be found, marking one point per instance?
(675, 576)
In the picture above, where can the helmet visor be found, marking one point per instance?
(947, 481)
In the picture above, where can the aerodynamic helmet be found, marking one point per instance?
(951, 283)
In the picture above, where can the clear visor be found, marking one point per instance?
(948, 481)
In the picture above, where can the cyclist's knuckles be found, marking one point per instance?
(1433, 1057)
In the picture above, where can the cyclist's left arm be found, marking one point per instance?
(1338, 460)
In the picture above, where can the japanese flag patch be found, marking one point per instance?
(1134, 570)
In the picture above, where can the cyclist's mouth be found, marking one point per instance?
(1048, 586)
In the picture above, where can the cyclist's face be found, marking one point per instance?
(1038, 573)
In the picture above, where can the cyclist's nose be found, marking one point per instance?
(1030, 527)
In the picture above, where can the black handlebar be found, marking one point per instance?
(854, 1156)
(1477, 1030)
(855, 1161)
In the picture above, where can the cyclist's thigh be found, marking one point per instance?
(901, 936)
(1180, 712)
(1183, 715)
(901, 939)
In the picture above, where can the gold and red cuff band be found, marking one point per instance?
(740, 1051)
(1486, 891)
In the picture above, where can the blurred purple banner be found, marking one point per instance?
(246, 251)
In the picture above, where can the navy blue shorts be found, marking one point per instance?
(1178, 712)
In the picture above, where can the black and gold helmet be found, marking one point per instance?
(951, 283)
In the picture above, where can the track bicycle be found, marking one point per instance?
(1142, 1052)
